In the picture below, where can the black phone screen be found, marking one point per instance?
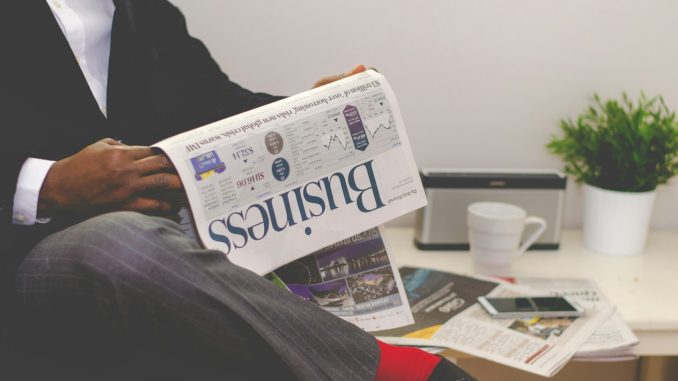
(543, 304)
(552, 304)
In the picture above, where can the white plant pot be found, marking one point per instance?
(616, 223)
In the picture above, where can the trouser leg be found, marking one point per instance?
(123, 288)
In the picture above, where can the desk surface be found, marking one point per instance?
(644, 288)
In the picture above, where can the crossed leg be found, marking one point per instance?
(129, 296)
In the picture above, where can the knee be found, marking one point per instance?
(106, 240)
(123, 223)
(116, 229)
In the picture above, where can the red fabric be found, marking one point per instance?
(404, 364)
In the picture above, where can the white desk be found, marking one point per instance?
(644, 288)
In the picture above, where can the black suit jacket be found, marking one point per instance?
(161, 82)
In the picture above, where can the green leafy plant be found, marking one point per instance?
(620, 145)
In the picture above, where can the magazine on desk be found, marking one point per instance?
(446, 314)
(277, 183)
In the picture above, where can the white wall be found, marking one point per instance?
(481, 83)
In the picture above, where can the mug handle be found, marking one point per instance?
(532, 220)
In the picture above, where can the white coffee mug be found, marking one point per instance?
(495, 229)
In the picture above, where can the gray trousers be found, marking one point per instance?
(127, 296)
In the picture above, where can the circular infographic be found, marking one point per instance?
(280, 169)
(274, 142)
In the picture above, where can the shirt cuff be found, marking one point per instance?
(31, 177)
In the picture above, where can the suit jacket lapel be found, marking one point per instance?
(53, 76)
(129, 75)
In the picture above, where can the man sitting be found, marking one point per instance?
(96, 283)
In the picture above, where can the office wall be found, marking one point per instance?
(481, 83)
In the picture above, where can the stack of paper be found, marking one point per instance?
(446, 315)
(612, 341)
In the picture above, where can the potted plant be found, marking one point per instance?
(621, 151)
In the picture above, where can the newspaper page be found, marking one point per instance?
(435, 297)
(355, 279)
(613, 340)
(538, 345)
(281, 181)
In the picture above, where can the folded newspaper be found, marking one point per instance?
(353, 279)
(612, 341)
(277, 183)
(446, 314)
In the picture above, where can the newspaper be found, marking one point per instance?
(279, 182)
(435, 297)
(354, 279)
(613, 340)
(536, 345)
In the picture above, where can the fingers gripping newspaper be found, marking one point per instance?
(279, 182)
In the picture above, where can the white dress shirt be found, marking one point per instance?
(87, 27)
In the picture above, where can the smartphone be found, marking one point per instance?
(541, 306)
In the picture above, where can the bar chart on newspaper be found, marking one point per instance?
(319, 166)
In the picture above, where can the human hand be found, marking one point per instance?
(332, 78)
(110, 176)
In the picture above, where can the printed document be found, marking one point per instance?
(353, 279)
(446, 315)
(296, 188)
(279, 182)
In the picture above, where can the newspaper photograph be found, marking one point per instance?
(537, 345)
(354, 279)
(281, 181)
